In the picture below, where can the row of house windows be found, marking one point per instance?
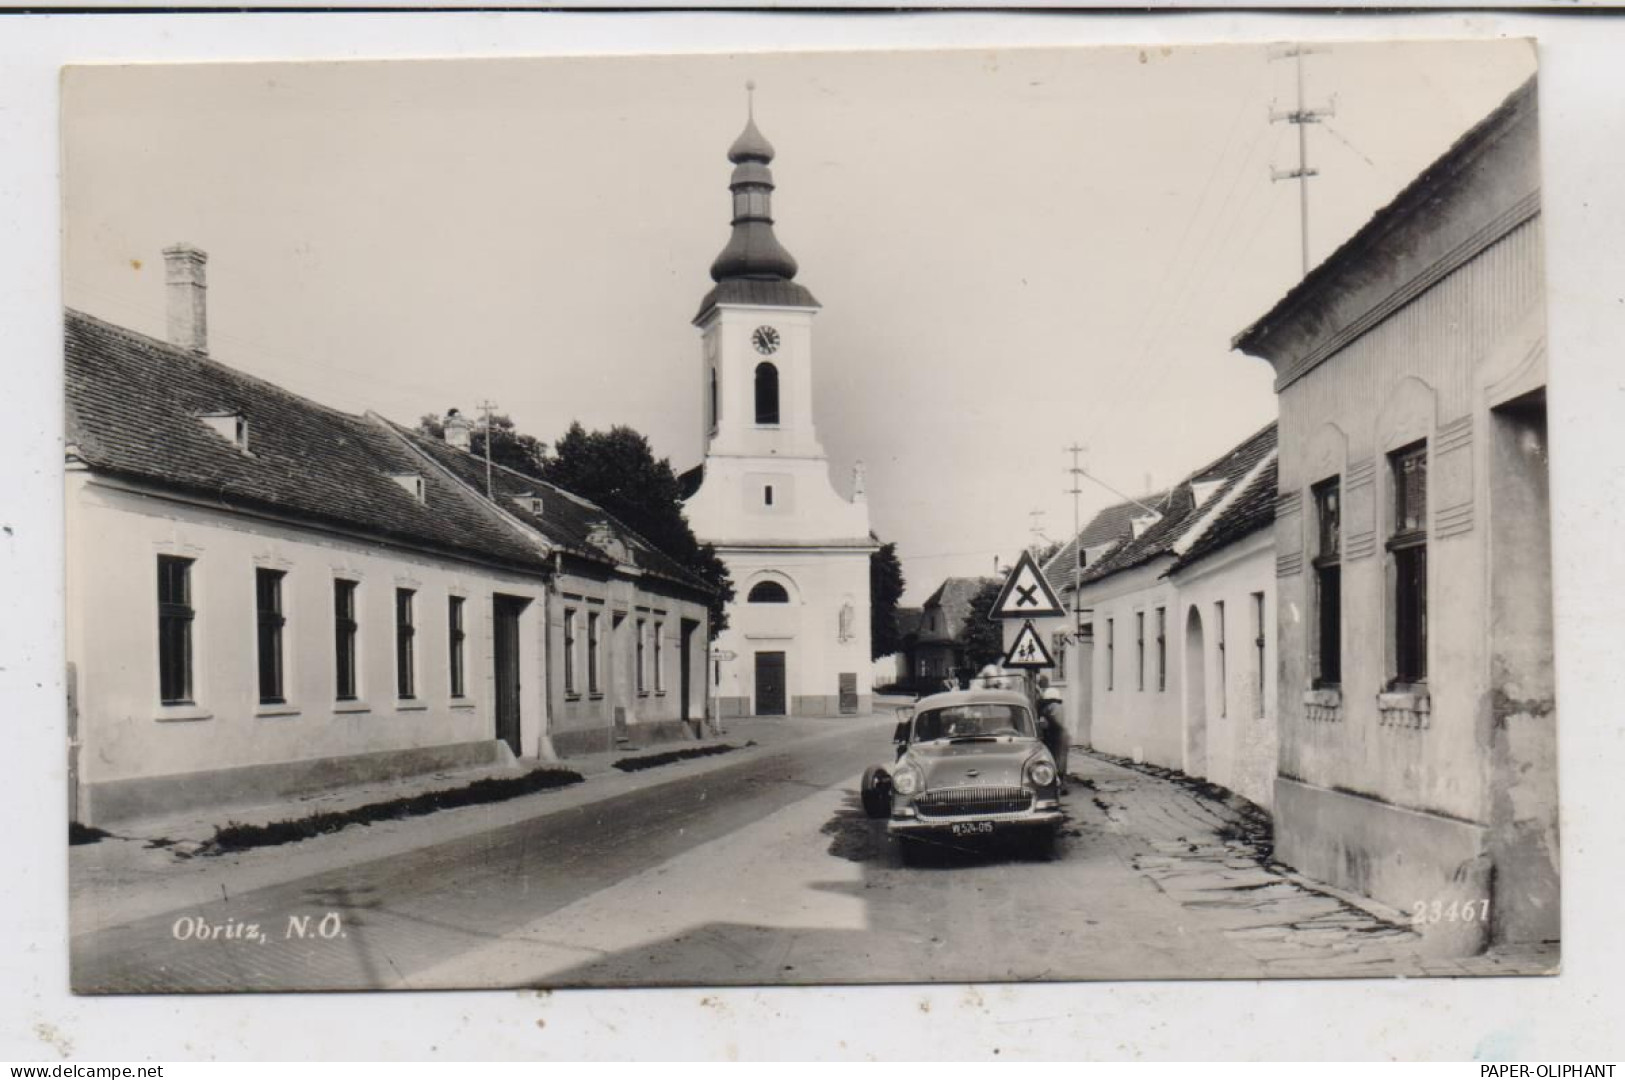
(1161, 643)
(1407, 590)
(175, 644)
(647, 647)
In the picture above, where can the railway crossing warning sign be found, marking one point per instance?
(1028, 650)
(1026, 595)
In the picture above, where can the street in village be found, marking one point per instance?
(753, 866)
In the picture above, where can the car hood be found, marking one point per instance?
(998, 764)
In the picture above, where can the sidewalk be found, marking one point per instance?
(154, 865)
(1214, 857)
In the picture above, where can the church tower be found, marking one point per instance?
(797, 550)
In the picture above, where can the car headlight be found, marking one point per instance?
(907, 780)
(1041, 771)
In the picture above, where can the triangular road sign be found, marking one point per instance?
(1028, 650)
(1026, 595)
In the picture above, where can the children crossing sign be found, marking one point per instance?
(1028, 650)
(1026, 595)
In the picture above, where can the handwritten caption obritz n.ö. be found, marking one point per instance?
(327, 927)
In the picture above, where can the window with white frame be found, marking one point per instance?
(405, 645)
(642, 656)
(570, 651)
(659, 659)
(592, 653)
(174, 630)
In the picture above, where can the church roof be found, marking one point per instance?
(751, 145)
(753, 267)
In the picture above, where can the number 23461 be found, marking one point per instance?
(1456, 911)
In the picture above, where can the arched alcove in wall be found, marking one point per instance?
(767, 393)
(769, 587)
(1195, 695)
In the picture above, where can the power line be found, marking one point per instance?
(1338, 135)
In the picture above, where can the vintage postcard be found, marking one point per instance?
(1040, 514)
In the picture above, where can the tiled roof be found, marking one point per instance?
(1183, 513)
(566, 519)
(953, 597)
(134, 407)
(133, 411)
(1112, 524)
(751, 291)
(1251, 510)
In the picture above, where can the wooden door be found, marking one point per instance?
(685, 669)
(770, 684)
(505, 618)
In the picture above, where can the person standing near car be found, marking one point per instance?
(1052, 727)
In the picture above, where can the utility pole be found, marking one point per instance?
(486, 407)
(1301, 116)
(1036, 529)
(1075, 491)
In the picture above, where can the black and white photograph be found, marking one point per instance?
(809, 518)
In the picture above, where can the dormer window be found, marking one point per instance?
(412, 484)
(529, 502)
(1203, 490)
(1144, 522)
(231, 426)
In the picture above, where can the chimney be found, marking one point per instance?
(459, 430)
(186, 282)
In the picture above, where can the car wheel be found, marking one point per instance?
(876, 792)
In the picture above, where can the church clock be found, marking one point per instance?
(766, 340)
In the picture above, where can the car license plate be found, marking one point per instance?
(972, 828)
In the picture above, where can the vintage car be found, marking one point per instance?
(969, 765)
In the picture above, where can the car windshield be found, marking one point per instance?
(972, 721)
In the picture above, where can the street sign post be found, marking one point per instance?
(1026, 595)
(1028, 650)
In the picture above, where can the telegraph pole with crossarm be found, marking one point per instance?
(1301, 116)
(485, 407)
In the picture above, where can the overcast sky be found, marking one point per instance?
(1015, 250)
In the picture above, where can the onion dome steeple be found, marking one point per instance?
(754, 268)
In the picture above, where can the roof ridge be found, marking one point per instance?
(209, 361)
(580, 500)
(489, 506)
(1235, 448)
(1235, 487)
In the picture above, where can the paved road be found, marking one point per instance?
(765, 870)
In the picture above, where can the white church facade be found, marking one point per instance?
(798, 634)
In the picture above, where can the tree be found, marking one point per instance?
(509, 447)
(983, 638)
(885, 589)
(617, 470)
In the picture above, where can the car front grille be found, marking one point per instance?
(959, 801)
